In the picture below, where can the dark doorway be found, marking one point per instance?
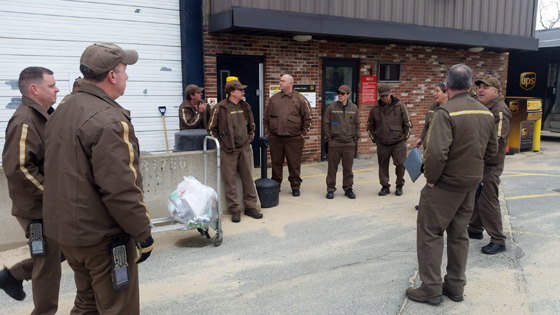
(337, 72)
(249, 71)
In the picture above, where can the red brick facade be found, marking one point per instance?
(422, 67)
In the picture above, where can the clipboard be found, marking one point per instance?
(413, 164)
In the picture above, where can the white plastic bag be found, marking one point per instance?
(194, 204)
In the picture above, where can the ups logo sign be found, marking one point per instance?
(514, 107)
(528, 80)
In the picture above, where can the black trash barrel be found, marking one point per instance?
(267, 189)
(192, 140)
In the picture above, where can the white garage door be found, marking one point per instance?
(54, 33)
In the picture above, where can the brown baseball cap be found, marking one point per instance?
(102, 57)
(384, 89)
(344, 88)
(193, 88)
(234, 85)
(490, 81)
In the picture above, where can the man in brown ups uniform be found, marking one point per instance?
(487, 214)
(193, 112)
(93, 201)
(389, 127)
(233, 125)
(461, 137)
(287, 119)
(341, 124)
(23, 160)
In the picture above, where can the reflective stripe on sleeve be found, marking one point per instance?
(22, 152)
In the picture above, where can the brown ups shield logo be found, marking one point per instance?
(528, 80)
(514, 107)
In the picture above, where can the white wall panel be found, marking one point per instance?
(54, 34)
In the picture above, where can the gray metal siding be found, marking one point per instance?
(509, 17)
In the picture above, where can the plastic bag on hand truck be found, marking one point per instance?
(194, 204)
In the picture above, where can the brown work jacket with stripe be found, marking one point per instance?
(460, 139)
(93, 185)
(233, 125)
(190, 118)
(23, 158)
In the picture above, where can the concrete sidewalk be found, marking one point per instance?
(309, 255)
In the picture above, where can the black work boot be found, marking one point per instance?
(253, 213)
(398, 191)
(236, 216)
(384, 191)
(12, 286)
(350, 193)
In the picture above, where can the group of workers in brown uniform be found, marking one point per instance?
(78, 175)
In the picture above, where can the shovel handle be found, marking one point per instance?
(162, 110)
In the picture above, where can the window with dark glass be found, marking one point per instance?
(389, 72)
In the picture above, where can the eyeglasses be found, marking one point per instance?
(340, 93)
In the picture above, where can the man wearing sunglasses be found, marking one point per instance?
(341, 125)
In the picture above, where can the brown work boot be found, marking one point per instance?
(253, 213)
(236, 217)
(417, 295)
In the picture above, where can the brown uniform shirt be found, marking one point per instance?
(93, 185)
(461, 137)
(190, 118)
(23, 157)
(287, 114)
(341, 123)
(233, 125)
(389, 124)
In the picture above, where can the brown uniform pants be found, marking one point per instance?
(384, 154)
(44, 273)
(92, 274)
(231, 163)
(487, 214)
(338, 151)
(443, 211)
(291, 148)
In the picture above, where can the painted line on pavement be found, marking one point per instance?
(517, 174)
(531, 233)
(532, 196)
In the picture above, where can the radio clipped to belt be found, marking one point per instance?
(120, 272)
(36, 242)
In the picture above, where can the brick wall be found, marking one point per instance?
(422, 68)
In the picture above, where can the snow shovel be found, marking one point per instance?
(162, 111)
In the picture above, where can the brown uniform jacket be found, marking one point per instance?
(93, 182)
(429, 116)
(287, 114)
(23, 158)
(502, 122)
(342, 123)
(223, 126)
(389, 124)
(190, 118)
(461, 137)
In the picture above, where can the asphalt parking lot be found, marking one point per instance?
(310, 255)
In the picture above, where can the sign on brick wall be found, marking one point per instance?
(369, 89)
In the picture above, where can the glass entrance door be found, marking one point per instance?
(336, 72)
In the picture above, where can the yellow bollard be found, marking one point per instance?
(537, 136)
